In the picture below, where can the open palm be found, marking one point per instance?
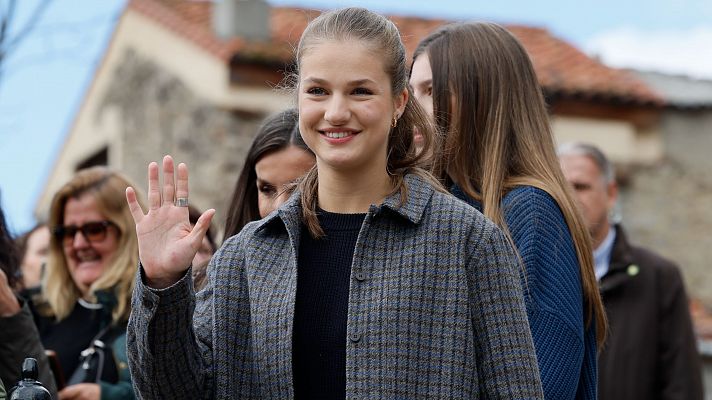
(167, 242)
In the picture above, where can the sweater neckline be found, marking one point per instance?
(331, 221)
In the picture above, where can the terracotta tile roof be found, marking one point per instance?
(563, 70)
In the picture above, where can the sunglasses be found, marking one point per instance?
(92, 231)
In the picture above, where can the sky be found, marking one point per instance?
(45, 77)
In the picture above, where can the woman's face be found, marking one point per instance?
(275, 171)
(346, 106)
(421, 81)
(35, 255)
(87, 259)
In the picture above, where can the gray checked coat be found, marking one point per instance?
(436, 311)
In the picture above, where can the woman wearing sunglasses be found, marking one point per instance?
(91, 265)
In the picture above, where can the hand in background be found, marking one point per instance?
(167, 242)
(9, 305)
(81, 391)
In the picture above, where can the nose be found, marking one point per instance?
(281, 199)
(79, 241)
(337, 110)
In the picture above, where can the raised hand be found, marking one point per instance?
(167, 242)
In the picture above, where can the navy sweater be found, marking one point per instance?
(566, 351)
(321, 307)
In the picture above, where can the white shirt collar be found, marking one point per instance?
(602, 254)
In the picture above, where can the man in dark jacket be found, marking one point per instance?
(651, 350)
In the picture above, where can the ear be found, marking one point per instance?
(400, 101)
(612, 192)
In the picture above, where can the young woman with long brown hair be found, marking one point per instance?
(369, 282)
(497, 153)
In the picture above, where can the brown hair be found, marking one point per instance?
(277, 132)
(107, 188)
(9, 256)
(382, 36)
(497, 133)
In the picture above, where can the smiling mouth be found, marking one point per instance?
(337, 135)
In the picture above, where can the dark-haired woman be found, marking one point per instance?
(278, 157)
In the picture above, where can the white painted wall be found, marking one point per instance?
(620, 140)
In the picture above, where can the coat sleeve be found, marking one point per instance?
(678, 360)
(506, 361)
(169, 341)
(19, 339)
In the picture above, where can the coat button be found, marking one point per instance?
(148, 303)
(360, 276)
(633, 270)
(355, 337)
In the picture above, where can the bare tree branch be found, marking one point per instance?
(9, 43)
(29, 25)
(5, 20)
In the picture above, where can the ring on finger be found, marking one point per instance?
(181, 202)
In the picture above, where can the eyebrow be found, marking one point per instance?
(427, 82)
(356, 82)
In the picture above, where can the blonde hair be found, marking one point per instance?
(381, 35)
(497, 132)
(59, 289)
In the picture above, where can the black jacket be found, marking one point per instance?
(651, 351)
(19, 339)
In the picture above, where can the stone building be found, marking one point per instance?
(666, 205)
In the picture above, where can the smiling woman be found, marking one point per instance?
(86, 294)
(369, 282)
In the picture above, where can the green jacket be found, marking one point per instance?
(123, 389)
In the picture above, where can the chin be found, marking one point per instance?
(87, 278)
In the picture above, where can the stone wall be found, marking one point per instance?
(159, 115)
(668, 207)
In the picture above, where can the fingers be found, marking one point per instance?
(201, 227)
(154, 194)
(182, 181)
(168, 180)
(134, 207)
(68, 393)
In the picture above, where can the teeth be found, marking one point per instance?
(83, 257)
(336, 135)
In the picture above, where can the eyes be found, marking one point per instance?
(581, 187)
(266, 189)
(428, 91)
(357, 91)
(422, 90)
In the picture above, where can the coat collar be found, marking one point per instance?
(622, 267)
(418, 194)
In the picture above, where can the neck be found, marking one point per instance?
(350, 193)
(600, 236)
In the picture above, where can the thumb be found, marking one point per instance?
(201, 227)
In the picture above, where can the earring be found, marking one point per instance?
(395, 122)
